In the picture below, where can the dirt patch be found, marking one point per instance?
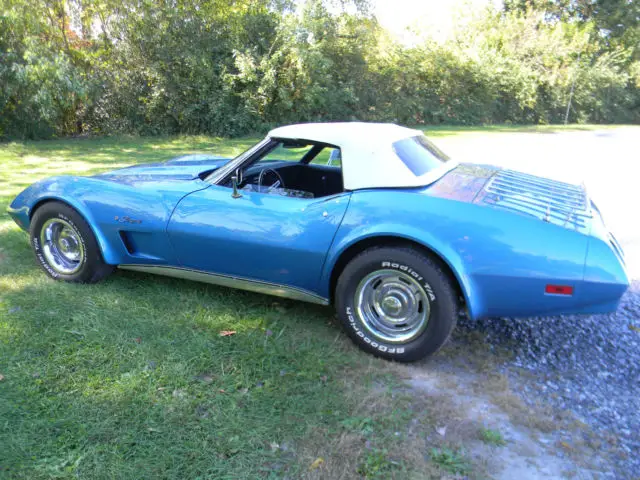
(454, 416)
(476, 410)
(383, 439)
(523, 453)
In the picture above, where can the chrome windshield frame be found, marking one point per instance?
(221, 173)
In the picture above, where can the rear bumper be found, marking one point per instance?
(606, 277)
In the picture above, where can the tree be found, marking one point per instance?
(617, 22)
(230, 67)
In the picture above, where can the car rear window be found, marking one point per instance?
(419, 154)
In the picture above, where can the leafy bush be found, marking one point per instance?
(228, 68)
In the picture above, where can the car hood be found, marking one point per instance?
(549, 200)
(186, 168)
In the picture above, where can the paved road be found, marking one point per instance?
(589, 364)
(607, 161)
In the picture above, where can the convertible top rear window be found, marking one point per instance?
(419, 154)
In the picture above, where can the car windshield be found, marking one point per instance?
(419, 154)
(231, 165)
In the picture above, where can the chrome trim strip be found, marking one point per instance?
(230, 281)
(14, 211)
(220, 173)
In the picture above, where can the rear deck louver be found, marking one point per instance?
(552, 201)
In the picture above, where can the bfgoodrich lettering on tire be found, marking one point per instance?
(65, 246)
(396, 303)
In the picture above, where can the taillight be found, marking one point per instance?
(559, 289)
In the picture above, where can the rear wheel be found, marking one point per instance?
(396, 303)
(65, 246)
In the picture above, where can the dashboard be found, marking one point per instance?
(292, 179)
(284, 192)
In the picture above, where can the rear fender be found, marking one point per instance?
(408, 233)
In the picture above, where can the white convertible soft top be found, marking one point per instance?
(368, 157)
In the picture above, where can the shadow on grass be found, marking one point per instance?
(131, 377)
(16, 257)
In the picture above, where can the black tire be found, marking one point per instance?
(436, 288)
(91, 267)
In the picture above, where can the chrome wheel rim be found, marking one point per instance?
(62, 246)
(392, 306)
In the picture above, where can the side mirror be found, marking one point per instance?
(234, 183)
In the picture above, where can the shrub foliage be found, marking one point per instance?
(227, 67)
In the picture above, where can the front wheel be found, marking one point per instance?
(65, 246)
(396, 303)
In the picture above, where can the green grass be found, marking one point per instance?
(376, 464)
(22, 163)
(130, 378)
(448, 130)
(492, 437)
(451, 460)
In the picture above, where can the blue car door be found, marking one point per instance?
(259, 236)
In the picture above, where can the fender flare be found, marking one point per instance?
(82, 210)
(423, 238)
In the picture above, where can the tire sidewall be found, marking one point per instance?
(439, 294)
(57, 210)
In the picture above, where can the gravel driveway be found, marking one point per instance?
(588, 364)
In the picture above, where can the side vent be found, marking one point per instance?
(127, 241)
(142, 245)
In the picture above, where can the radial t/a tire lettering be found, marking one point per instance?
(65, 246)
(396, 303)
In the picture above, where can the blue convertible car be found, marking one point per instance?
(371, 218)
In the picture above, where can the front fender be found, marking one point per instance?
(57, 189)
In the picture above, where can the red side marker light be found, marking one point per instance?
(559, 289)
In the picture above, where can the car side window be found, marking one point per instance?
(287, 153)
(292, 168)
(328, 156)
(419, 154)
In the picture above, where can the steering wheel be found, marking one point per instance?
(278, 183)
